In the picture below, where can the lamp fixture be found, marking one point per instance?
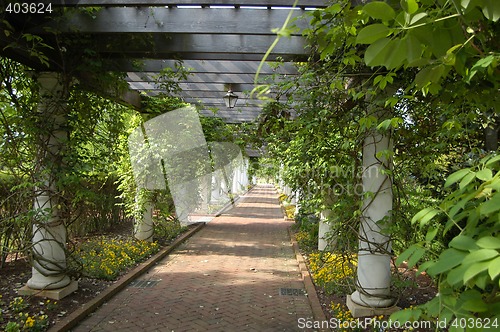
(230, 99)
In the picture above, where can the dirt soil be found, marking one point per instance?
(17, 273)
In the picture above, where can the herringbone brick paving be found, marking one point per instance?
(226, 277)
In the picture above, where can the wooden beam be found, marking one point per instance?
(207, 78)
(202, 47)
(219, 102)
(236, 115)
(177, 20)
(208, 66)
(189, 86)
(119, 3)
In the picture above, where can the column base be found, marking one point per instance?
(358, 310)
(54, 294)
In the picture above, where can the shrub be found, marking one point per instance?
(167, 229)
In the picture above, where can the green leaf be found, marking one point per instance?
(490, 206)
(416, 256)
(379, 10)
(372, 33)
(480, 255)
(448, 259)
(417, 18)
(412, 254)
(429, 75)
(384, 125)
(479, 66)
(466, 180)
(463, 242)
(456, 176)
(465, 3)
(489, 242)
(376, 53)
(472, 300)
(485, 174)
(423, 216)
(406, 254)
(492, 160)
(431, 234)
(424, 266)
(474, 269)
(396, 54)
(455, 276)
(414, 48)
(483, 62)
(491, 9)
(402, 316)
(409, 6)
(494, 268)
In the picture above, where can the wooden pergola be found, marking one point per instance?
(221, 43)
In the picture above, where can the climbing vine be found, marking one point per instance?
(424, 73)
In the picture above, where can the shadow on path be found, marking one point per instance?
(227, 277)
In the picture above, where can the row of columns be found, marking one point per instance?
(224, 185)
(49, 232)
(373, 268)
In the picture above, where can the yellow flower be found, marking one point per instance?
(30, 322)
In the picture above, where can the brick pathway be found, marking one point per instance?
(227, 277)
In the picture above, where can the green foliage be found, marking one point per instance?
(166, 228)
(423, 73)
(306, 228)
(467, 269)
(434, 37)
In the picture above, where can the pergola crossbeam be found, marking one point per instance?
(210, 66)
(178, 21)
(172, 3)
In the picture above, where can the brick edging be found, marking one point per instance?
(79, 314)
(312, 296)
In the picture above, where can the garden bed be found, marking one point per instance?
(33, 313)
(411, 288)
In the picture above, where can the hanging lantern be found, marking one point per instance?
(230, 99)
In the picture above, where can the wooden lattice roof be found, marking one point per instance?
(221, 41)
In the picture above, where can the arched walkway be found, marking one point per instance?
(230, 276)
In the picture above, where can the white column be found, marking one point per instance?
(216, 187)
(297, 195)
(144, 228)
(234, 187)
(244, 174)
(374, 271)
(49, 231)
(324, 236)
